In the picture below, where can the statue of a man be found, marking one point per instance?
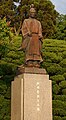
(32, 39)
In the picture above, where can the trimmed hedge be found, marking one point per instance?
(62, 84)
(56, 89)
(57, 118)
(58, 78)
(59, 104)
(60, 97)
(54, 56)
(64, 91)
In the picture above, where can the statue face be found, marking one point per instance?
(32, 14)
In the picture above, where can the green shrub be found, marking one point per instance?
(59, 104)
(59, 112)
(64, 75)
(13, 55)
(8, 93)
(58, 78)
(46, 64)
(64, 118)
(4, 107)
(60, 97)
(6, 69)
(62, 84)
(3, 89)
(56, 89)
(64, 54)
(53, 82)
(5, 110)
(54, 69)
(6, 117)
(57, 118)
(63, 63)
(64, 70)
(64, 91)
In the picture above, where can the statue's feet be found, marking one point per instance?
(33, 64)
(29, 64)
(36, 64)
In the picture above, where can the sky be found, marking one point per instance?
(60, 6)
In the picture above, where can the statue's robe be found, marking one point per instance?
(31, 29)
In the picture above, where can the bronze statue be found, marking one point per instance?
(32, 39)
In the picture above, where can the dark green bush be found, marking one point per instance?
(62, 84)
(6, 68)
(3, 89)
(59, 112)
(64, 91)
(54, 69)
(6, 117)
(60, 97)
(13, 55)
(4, 107)
(63, 63)
(53, 82)
(50, 55)
(64, 54)
(58, 78)
(57, 118)
(59, 104)
(64, 75)
(64, 70)
(46, 64)
(56, 89)
(64, 118)
(8, 93)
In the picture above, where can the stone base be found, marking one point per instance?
(31, 95)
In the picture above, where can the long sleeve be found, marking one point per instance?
(25, 30)
(40, 31)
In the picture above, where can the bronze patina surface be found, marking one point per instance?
(32, 40)
(31, 70)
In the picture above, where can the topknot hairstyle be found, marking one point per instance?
(32, 8)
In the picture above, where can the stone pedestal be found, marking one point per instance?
(31, 95)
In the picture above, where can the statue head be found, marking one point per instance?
(32, 11)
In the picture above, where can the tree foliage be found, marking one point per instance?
(60, 28)
(45, 13)
(53, 24)
(6, 8)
